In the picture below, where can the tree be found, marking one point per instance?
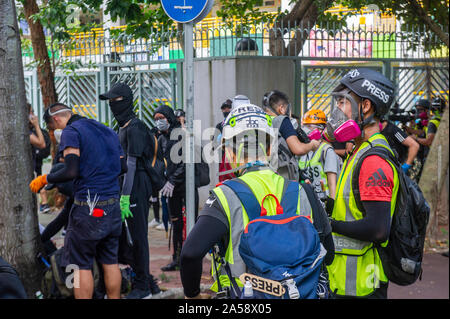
(18, 215)
(433, 184)
(432, 16)
(45, 73)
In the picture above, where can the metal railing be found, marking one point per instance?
(219, 40)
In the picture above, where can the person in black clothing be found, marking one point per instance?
(405, 146)
(136, 142)
(181, 117)
(11, 286)
(37, 141)
(343, 148)
(226, 109)
(175, 188)
(65, 188)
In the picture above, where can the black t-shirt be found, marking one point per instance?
(136, 141)
(395, 137)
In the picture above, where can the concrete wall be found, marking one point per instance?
(218, 80)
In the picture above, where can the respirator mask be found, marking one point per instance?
(340, 127)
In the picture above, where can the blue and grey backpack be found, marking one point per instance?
(284, 247)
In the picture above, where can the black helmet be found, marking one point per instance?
(246, 44)
(438, 104)
(179, 112)
(424, 103)
(372, 85)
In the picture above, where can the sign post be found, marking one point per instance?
(188, 12)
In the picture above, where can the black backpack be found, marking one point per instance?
(42, 153)
(402, 257)
(201, 169)
(11, 286)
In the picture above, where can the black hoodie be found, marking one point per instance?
(175, 172)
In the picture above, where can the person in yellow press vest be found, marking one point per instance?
(438, 105)
(323, 165)
(247, 140)
(360, 100)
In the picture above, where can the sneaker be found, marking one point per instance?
(173, 266)
(139, 294)
(44, 208)
(160, 227)
(154, 288)
(154, 223)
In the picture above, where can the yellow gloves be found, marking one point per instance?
(37, 183)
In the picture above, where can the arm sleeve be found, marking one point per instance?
(68, 173)
(374, 227)
(59, 222)
(206, 232)
(129, 176)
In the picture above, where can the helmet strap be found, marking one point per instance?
(364, 122)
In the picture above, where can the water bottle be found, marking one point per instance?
(39, 295)
(247, 291)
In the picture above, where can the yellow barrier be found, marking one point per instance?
(88, 110)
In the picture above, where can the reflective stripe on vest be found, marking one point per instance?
(261, 182)
(315, 165)
(356, 269)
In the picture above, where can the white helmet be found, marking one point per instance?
(247, 117)
(248, 132)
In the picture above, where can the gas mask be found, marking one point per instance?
(313, 131)
(340, 127)
(422, 118)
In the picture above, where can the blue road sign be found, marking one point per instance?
(185, 11)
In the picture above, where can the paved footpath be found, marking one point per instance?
(434, 283)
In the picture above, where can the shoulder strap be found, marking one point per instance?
(316, 208)
(155, 152)
(246, 196)
(289, 199)
(277, 120)
(374, 150)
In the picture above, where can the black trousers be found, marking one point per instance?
(155, 205)
(138, 256)
(175, 204)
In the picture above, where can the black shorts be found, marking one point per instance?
(90, 237)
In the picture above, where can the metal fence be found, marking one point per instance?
(219, 40)
(153, 67)
(81, 91)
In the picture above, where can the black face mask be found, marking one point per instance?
(225, 114)
(122, 110)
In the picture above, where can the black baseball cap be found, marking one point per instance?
(117, 89)
(227, 103)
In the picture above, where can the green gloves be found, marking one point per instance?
(125, 207)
